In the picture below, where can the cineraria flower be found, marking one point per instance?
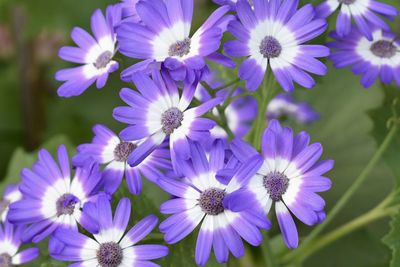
(289, 175)
(106, 148)
(273, 35)
(95, 54)
(10, 241)
(111, 247)
(199, 199)
(239, 113)
(284, 105)
(51, 198)
(158, 112)
(163, 37)
(370, 59)
(363, 12)
(11, 195)
(129, 10)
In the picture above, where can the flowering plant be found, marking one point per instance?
(214, 154)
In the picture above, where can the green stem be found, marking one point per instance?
(346, 197)
(233, 82)
(268, 255)
(379, 212)
(264, 97)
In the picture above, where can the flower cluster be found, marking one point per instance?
(185, 129)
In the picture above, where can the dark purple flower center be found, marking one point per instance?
(211, 201)
(180, 48)
(270, 47)
(103, 60)
(171, 120)
(66, 204)
(109, 255)
(5, 260)
(276, 184)
(3, 206)
(384, 49)
(123, 150)
(347, 2)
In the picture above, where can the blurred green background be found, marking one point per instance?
(31, 114)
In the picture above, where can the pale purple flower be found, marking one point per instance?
(375, 59)
(52, 198)
(272, 34)
(11, 195)
(199, 199)
(111, 246)
(95, 54)
(10, 241)
(364, 12)
(288, 173)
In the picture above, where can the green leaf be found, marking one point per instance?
(380, 117)
(393, 241)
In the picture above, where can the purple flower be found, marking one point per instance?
(51, 197)
(106, 148)
(95, 54)
(159, 112)
(272, 34)
(288, 174)
(363, 12)
(284, 105)
(379, 58)
(111, 246)
(199, 199)
(10, 241)
(129, 10)
(239, 114)
(11, 195)
(163, 37)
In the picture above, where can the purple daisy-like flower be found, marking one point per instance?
(11, 195)
(284, 105)
(10, 241)
(52, 198)
(364, 13)
(163, 36)
(129, 10)
(239, 114)
(288, 174)
(199, 199)
(159, 112)
(379, 58)
(95, 54)
(273, 34)
(107, 148)
(111, 247)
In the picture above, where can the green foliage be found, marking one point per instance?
(393, 241)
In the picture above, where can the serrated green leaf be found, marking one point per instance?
(393, 241)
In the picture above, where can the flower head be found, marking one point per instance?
(284, 105)
(159, 112)
(11, 195)
(107, 148)
(272, 34)
(378, 58)
(363, 13)
(163, 36)
(10, 241)
(51, 198)
(95, 54)
(199, 198)
(110, 247)
(288, 174)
